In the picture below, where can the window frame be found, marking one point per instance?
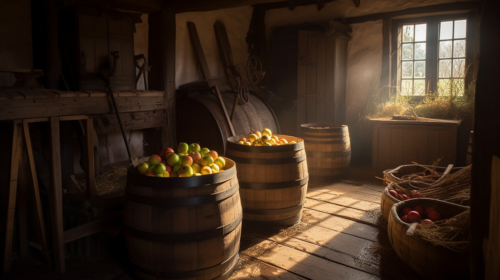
(432, 49)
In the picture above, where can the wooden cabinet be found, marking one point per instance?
(88, 39)
(308, 64)
(401, 142)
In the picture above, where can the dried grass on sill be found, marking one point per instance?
(451, 233)
(111, 182)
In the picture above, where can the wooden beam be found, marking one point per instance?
(56, 197)
(92, 227)
(162, 37)
(486, 135)
(291, 5)
(448, 7)
(107, 123)
(204, 5)
(143, 6)
(62, 106)
(89, 159)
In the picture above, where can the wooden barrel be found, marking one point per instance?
(201, 120)
(183, 228)
(427, 260)
(273, 180)
(469, 148)
(328, 149)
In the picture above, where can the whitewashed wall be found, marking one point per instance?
(15, 31)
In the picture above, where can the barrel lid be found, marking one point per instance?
(319, 127)
(232, 144)
(182, 182)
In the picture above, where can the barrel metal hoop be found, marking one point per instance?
(232, 146)
(333, 127)
(311, 154)
(133, 177)
(274, 186)
(285, 222)
(265, 161)
(183, 237)
(184, 201)
(193, 273)
(273, 211)
(324, 142)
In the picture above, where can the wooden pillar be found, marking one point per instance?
(486, 134)
(53, 66)
(162, 32)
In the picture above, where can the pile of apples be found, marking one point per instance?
(266, 138)
(403, 196)
(417, 215)
(190, 160)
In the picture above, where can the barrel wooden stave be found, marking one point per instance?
(183, 256)
(280, 199)
(429, 261)
(328, 150)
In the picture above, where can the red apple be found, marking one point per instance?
(166, 155)
(196, 156)
(416, 195)
(427, 221)
(213, 154)
(166, 150)
(405, 197)
(186, 160)
(406, 210)
(414, 217)
(168, 169)
(393, 193)
(150, 174)
(429, 209)
(434, 216)
(419, 209)
(405, 218)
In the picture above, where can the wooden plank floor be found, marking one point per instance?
(342, 236)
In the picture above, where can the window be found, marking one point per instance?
(431, 55)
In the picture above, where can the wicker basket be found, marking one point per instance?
(429, 261)
(394, 175)
(387, 201)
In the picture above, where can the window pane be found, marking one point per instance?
(444, 86)
(445, 49)
(419, 69)
(460, 29)
(420, 50)
(458, 68)
(446, 30)
(406, 87)
(445, 68)
(407, 33)
(419, 87)
(407, 51)
(459, 48)
(407, 71)
(421, 32)
(458, 87)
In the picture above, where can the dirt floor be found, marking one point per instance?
(342, 236)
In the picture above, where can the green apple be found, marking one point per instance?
(172, 160)
(159, 175)
(151, 168)
(185, 171)
(143, 168)
(183, 148)
(195, 147)
(159, 169)
(204, 151)
(207, 161)
(176, 168)
(154, 159)
(181, 154)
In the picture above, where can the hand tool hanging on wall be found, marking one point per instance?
(195, 40)
(145, 67)
(115, 55)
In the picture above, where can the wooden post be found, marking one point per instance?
(486, 134)
(162, 37)
(56, 196)
(89, 163)
(36, 193)
(11, 206)
(22, 196)
(53, 66)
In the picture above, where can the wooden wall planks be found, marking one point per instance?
(401, 142)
